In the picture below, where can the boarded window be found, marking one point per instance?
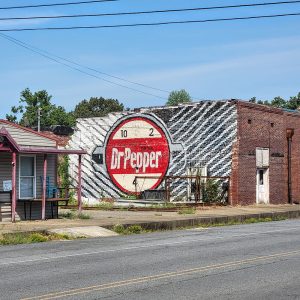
(262, 157)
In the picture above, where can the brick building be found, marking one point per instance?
(129, 152)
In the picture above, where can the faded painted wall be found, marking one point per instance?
(199, 134)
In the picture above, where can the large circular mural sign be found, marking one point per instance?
(137, 155)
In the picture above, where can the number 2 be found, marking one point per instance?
(151, 132)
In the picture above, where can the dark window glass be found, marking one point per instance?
(261, 177)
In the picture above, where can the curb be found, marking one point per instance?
(177, 224)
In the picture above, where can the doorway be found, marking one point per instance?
(262, 186)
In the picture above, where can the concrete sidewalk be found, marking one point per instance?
(159, 220)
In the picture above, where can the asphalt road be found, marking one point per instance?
(257, 261)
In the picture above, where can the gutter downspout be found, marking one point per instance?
(289, 135)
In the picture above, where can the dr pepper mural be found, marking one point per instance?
(132, 151)
(137, 146)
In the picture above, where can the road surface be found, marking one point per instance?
(257, 261)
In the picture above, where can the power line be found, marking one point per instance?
(74, 68)
(152, 24)
(56, 4)
(83, 66)
(152, 11)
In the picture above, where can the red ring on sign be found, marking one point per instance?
(137, 147)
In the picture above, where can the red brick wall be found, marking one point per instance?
(293, 121)
(267, 128)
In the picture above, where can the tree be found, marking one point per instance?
(176, 97)
(26, 114)
(97, 107)
(294, 102)
(278, 102)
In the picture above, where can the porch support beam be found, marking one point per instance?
(14, 188)
(44, 187)
(79, 184)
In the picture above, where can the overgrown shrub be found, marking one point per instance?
(211, 191)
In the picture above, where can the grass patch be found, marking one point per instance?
(30, 237)
(104, 206)
(83, 216)
(132, 229)
(246, 221)
(187, 211)
(137, 229)
(162, 205)
(72, 215)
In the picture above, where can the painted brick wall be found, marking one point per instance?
(206, 131)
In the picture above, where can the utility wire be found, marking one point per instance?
(152, 11)
(56, 4)
(82, 66)
(152, 24)
(77, 69)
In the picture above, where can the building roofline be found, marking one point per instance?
(28, 129)
(35, 150)
(5, 133)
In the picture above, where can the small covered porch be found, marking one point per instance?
(28, 175)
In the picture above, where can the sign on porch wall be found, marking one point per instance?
(7, 185)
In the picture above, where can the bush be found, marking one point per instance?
(211, 190)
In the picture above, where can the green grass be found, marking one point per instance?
(104, 206)
(187, 211)
(83, 216)
(132, 229)
(247, 221)
(30, 237)
(162, 205)
(137, 229)
(72, 215)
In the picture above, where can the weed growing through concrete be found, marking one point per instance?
(132, 229)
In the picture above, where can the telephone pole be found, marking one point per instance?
(39, 119)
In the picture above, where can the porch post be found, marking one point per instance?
(14, 192)
(79, 184)
(44, 188)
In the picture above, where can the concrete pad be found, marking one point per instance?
(86, 231)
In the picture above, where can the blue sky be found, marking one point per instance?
(220, 60)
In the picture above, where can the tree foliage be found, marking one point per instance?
(292, 103)
(26, 114)
(177, 97)
(97, 107)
